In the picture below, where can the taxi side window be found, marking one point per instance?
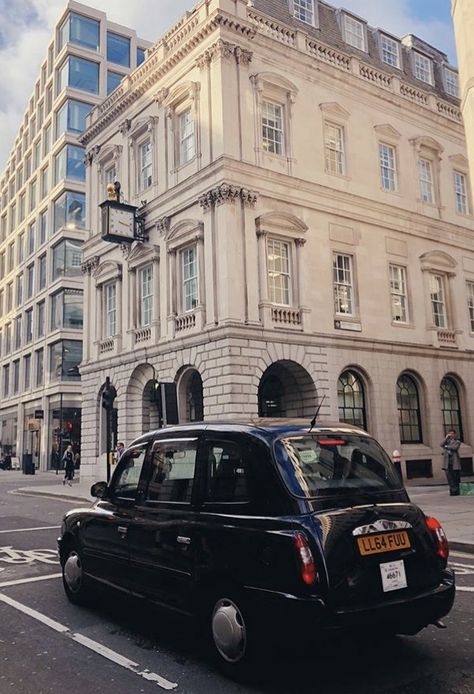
(228, 475)
(173, 466)
(127, 475)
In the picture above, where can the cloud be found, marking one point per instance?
(27, 26)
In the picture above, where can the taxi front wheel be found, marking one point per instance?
(74, 580)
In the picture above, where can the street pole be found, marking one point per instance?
(108, 396)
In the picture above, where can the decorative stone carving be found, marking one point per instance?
(163, 225)
(125, 126)
(90, 265)
(227, 192)
(161, 95)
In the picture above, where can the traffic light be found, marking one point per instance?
(108, 396)
(155, 391)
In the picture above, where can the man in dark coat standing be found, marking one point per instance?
(451, 461)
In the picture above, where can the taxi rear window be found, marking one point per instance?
(316, 465)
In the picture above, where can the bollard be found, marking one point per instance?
(397, 462)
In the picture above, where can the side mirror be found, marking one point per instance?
(99, 490)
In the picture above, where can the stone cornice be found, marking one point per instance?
(155, 68)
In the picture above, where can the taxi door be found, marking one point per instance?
(161, 534)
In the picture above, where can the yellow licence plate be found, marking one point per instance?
(388, 542)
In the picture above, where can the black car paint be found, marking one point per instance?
(250, 546)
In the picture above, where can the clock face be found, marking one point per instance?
(121, 222)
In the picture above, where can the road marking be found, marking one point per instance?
(465, 588)
(27, 530)
(33, 579)
(462, 555)
(95, 646)
(463, 566)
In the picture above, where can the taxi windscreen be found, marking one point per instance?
(315, 465)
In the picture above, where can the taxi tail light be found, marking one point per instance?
(439, 536)
(306, 561)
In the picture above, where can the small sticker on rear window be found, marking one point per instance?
(309, 456)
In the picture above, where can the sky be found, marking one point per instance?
(26, 29)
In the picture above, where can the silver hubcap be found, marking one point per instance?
(228, 630)
(73, 572)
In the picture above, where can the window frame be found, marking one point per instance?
(464, 208)
(288, 274)
(182, 438)
(388, 173)
(192, 279)
(448, 83)
(435, 304)
(402, 426)
(420, 67)
(349, 31)
(403, 280)
(299, 8)
(394, 44)
(339, 153)
(142, 298)
(110, 310)
(338, 284)
(426, 181)
(266, 140)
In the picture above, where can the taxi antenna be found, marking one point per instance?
(313, 421)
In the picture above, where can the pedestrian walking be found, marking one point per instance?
(68, 461)
(451, 461)
(119, 451)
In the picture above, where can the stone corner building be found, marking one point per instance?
(310, 231)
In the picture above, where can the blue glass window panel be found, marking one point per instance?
(84, 74)
(113, 81)
(140, 56)
(70, 211)
(84, 31)
(70, 164)
(118, 49)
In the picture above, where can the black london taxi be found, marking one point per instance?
(261, 528)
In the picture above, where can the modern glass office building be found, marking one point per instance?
(42, 218)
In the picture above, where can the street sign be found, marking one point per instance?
(39, 414)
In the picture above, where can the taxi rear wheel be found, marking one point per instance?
(74, 581)
(231, 635)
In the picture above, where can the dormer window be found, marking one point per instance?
(390, 50)
(422, 68)
(354, 33)
(304, 10)
(451, 82)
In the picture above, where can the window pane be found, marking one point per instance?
(67, 259)
(186, 137)
(113, 80)
(272, 127)
(118, 49)
(304, 10)
(422, 68)
(437, 300)
(426, 181)
(190, 278)
(69, 211)
(388, 171)
(343, 290)
(398, 293)
(408, 410)
(334, 143)
(278, 267)
(82, 74)
(390, 54)
(354, 33)
(460, 191)
(172, 473)
(80, 30)
(140, 56)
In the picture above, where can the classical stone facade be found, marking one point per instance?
(303, 183)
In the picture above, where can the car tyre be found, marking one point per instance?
(74, 580)
(231, 635)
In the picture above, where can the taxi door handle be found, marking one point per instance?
(122, 530)
(182, 540)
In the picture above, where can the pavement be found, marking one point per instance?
(456, 513)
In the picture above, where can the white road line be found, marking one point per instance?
(27, 530)
(462, 555)
(33, 579)
(95, 646)
(463, 566)
(465, 588)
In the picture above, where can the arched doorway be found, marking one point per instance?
(286, 390)
(190, 396)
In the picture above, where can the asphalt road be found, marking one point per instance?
(116, 646)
